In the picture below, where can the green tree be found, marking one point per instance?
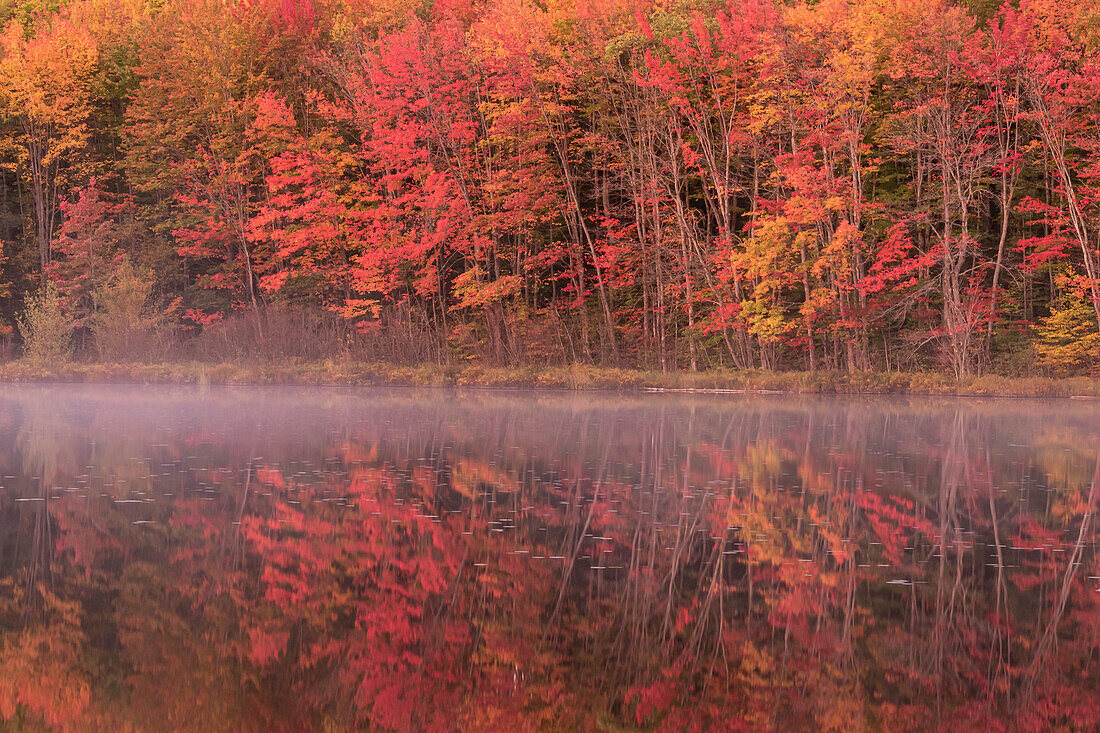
(126, 325)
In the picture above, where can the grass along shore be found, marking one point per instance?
(576, 377)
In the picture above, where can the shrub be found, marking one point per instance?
(125, 325)
(46, 329)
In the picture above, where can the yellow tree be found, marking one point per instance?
(46, 80)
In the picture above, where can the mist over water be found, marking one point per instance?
(324, 559)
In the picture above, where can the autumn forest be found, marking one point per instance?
(841, 185)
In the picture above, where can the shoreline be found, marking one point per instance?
(572, 378)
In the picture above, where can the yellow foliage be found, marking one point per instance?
(1069, 342)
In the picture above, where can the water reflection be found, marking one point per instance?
(249, 559)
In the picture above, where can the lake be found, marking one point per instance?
(331, 559)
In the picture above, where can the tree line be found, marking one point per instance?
(845, 184)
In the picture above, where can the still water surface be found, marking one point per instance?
(300, 559)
